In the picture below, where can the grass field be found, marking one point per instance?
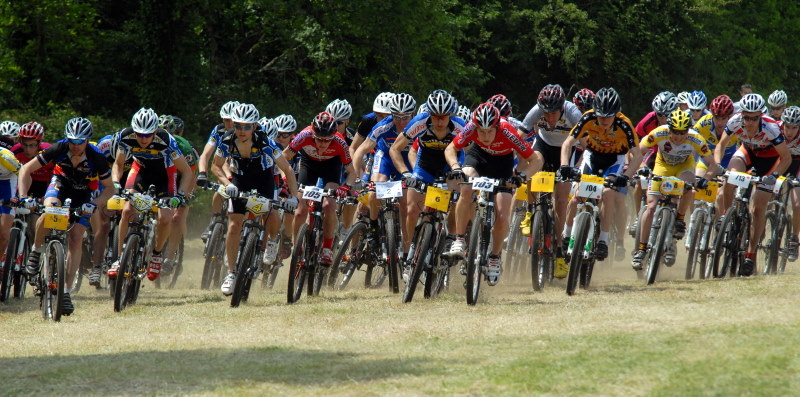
(722, 337)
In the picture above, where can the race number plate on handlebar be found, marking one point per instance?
(438, 199)
(389, 189)
(778, 184)
(312, 193)
(739, 179)
(543, 182)
(484, 184)
(708, 195)
(56, 218)
(591, 186)
(257, 205)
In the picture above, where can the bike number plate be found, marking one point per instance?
(56, 218)
(257, 205)
(385, 190)
(739, 179)
(142, 202)
(667, 186)
(484, 184)
(522, 192)
(363, 198)
(543, 182)
(115, 203)
(708, 195)
(438, 199)
(591, 186)
(778, 184)
(312, 193)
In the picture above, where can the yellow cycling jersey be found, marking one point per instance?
(705, 127)
(9, 165)
(672, 153)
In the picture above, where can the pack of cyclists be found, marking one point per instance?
(684, 138)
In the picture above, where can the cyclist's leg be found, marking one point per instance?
(502, 203)
(232, 238)
(74, 252)
(8, 190)
(739, 163)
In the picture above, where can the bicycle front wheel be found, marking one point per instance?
(349, 256)
(392, 258)
(7, 270)
(53, 275)
(662, 228)
(215, 255)
(297, 271)
(539, 256)
(419, 261)
(697, 225)
(178, 267)
(474, 260)
(245, 256)
(581, 233)
(126, 277)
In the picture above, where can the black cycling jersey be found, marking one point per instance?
(159, 154)
(431, 149)
(93, 164)
(262, 157)
(366, 124)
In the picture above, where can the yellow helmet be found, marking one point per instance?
(679, 120)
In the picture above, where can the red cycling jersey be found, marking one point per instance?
(305, 141)
(646, 124)
(506, 140)
(43, 174)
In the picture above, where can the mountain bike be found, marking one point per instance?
(214, 266)
(732, 238)
(544, 241)
(517, 244)
(775, 240)
(663, 225)
(12, 273)
(698, 234)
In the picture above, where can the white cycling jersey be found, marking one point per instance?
(556, 135)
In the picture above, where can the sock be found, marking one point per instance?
(642, 246)
(567, 230)
(327, 243)
(680, 217)
(603, 236)
(750, 255)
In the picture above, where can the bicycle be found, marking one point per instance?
(137, 247)
(774, 242)
(430, 240)
(272, 269)
(516, 244)
(214, 267)
(12, 274)
(481, 234)
(545, 243)
(248, 261)
(305, 254)
(663, 224)
(698, 234)
(356, 252)
(731, 241)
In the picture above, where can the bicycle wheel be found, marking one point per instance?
(771, 241)
(54, 280)
(693, 256)
(271, 270)
(350, 256)
(436, 270)
(178, 267)
(474, 259)
(419, 261)
(581, 233)
(7, 266)
(215, 256)
(743, 236)
(539, 266)
(245, 257)
(85, 268)
(512, 243)
(126, 277)
(664, 219)
(783, 256)
(392, 259)
(297, 271)
(724, 245)
(19, 280)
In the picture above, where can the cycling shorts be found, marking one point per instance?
(650, 157)
(600, 164)
(262, 182)
(663, 169)
(329, 170)
(38, 189)
(8, 189)
(763, 165)
(551, 155)
(383, 164)
(490, 166)
(164, 179)
(793, 169)
(62, 191)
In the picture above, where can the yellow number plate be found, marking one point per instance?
(708, 195)
(116, 203)
(543, 182)
(363, 198)
(438, 199)
(667, 186)
(522, 192)
(56, 218)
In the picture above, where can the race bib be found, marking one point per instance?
(56, 218)
(257, 205)
(312, 193)
(778, 184)
(522, 192)
(115, 203)
(591, 186)
(739, 179)
(667, 186)
(142, 202)
(438, 199)
(385, 190)
(543, 182)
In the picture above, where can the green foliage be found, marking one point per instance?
(55, 117)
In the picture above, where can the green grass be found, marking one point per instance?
(728, 337)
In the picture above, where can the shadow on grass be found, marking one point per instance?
(198, 371)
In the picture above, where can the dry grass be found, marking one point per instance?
(620, 338)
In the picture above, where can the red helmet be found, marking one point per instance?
(324, 125)
(31, 129)
(502, 104)
(486, 116)
(722, 106)
(584, 99)
(551, 98)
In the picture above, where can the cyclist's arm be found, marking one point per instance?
(712, 168)
(358, 159)
(119, 166)
(786, 158)
(184, 169)
(216, 169)
(208, 152)
(357, 141)
(399, 144)
(108, 191)
(351, 174)
(412, 155)
(451, 156)
(25, 176)
(635, 158)
(288, 154)
(566, 149)
(286, 169)
(719, 151)
(533, 164)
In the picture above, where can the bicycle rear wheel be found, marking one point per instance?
(178, 266)
(7, 270)
(297, 271)
(19, 279)
(126, 277)
(581, 233)
(349, 256)
(539, 255)
(419, 261)
(246, 258)
(215, 256)
(694, 238)
(474, 260)
(771, 240)
(436, 271)
(664, 220)
(54, 279)
(392, 258)
(723, 242)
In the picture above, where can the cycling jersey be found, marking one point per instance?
(261, 157)
(9, 165)
(105, 145)
(705, 127)
(506, 141)
(430, 149)
(384, 134)
(44, 173)
(161, 153)
(188, 151)
(77, 176)
(674, 154)
(6, 142)
(619, 140)
(703, 114)
(304, 144)
(762, 144)
(556, 135)
(216, 134)
(366, 124)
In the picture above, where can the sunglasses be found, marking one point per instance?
(401, 117)
(339, 122)
(663, 115)
(285, 134)
(244, 127)
(440, 116)
(749, 118)
(30, 145)
(328, 139)
(77, 141)
(677, 132)
(697, 110)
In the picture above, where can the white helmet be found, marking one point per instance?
(683, 97)
(697, 100)
(441, 102)
(79, 128)
(144, 121)
(752, 103)
(269, 127)
(9, 128)
(464, 113)
(286, 123)
(422, 108)
(340, 109)
(777, 99)
(245, 113)
(227, 108)
(382, 101)
(402, 103)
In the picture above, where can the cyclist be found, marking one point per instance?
(612, 142)
(552, 119)
(463, 112)
(9, 131)
(433, 131)
(251, 157)
(677, 148)
(157, 161)
(494, 142)
(790, 125)
(323, 154)
(30, 144)
(208, 153)
(777, 103)
(9, 169)
(76, 162)
(286, 125)
(583, 99)
(383, 136)
(744, 89)
(380, 110)
(763, 148)
(711, 127)
(683, 100)
(697, 105)
(341, 111)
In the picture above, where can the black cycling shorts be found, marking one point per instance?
(490, 166)
(263, 182)
(329, 170)
(164, 180)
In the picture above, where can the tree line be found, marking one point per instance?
(187, 57)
